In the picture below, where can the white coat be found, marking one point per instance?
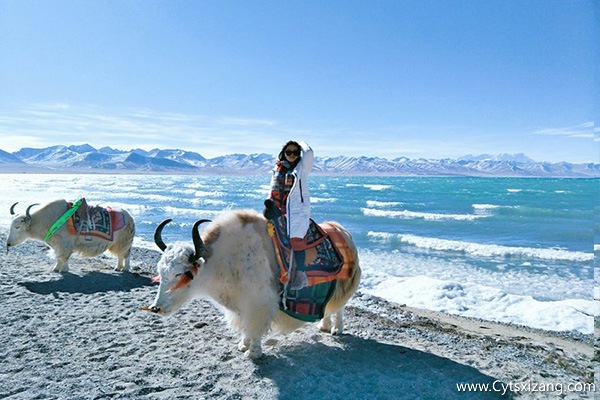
(298, 201)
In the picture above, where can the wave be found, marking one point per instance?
(383, 204)
(485, 302)
(170, 211)
(208, 202)
(485, 207)
(133, 209)
(528, 211)
(484, 250)
(154, 197)
(213, 193)
(405, 214)
(323, 199)
(370, 186)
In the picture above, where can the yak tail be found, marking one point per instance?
(126, 235)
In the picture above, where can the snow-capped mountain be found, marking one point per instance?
(85, 158)
(519, 158)
(7, 158)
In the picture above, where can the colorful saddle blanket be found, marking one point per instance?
(327, 259)
(96, 221)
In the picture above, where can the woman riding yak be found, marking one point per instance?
(289, 196)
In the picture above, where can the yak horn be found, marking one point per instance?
(12, 208)
(158, 235)
(198, 245)
(29, 208)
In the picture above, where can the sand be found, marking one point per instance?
(80, 335)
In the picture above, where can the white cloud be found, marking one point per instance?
(43, 125)
(584, 130)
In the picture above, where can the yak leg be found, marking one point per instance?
(254, 326)
(236, 323)
(122, 262)
(250, 345)
(62, 261)
(325, 324)
(336, 329)
(339, 323)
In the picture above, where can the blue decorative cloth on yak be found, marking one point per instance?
(324, 265)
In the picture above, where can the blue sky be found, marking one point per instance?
(433, 79)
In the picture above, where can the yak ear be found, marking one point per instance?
(156, 279)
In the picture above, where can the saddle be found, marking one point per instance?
(95, 221)
(327, 259)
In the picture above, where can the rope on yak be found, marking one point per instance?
(62, 219)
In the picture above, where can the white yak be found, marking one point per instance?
(36, 225)
(234, 264)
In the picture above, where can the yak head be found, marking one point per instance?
(19, 227)
(179, 265)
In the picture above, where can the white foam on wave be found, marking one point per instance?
(483, 250)
(144, 244)
(519, 281)
(485, 302)
(383, 204)
(208, 202)
(323, 200)
(213, 193)
(487, 207)
(459, 288)
(406, 214)
(133, 209)
(156, 197)
(171, 211)
(184, 191)
(370, 186)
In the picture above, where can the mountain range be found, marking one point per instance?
(85, 158)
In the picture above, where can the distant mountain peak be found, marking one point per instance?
(86, 158)
(83, 148)
(518, 157)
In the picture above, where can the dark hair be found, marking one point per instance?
(281, 156)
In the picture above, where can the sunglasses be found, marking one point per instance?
(292, 153)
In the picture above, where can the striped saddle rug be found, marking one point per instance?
(96, 221)
(327, 259)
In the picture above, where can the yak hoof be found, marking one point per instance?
(325, 325)
(244, 345)
(253, 352)
(58, 268)
(250, 350)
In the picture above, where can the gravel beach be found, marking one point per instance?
(80, 335)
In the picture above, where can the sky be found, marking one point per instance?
(394, 78)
